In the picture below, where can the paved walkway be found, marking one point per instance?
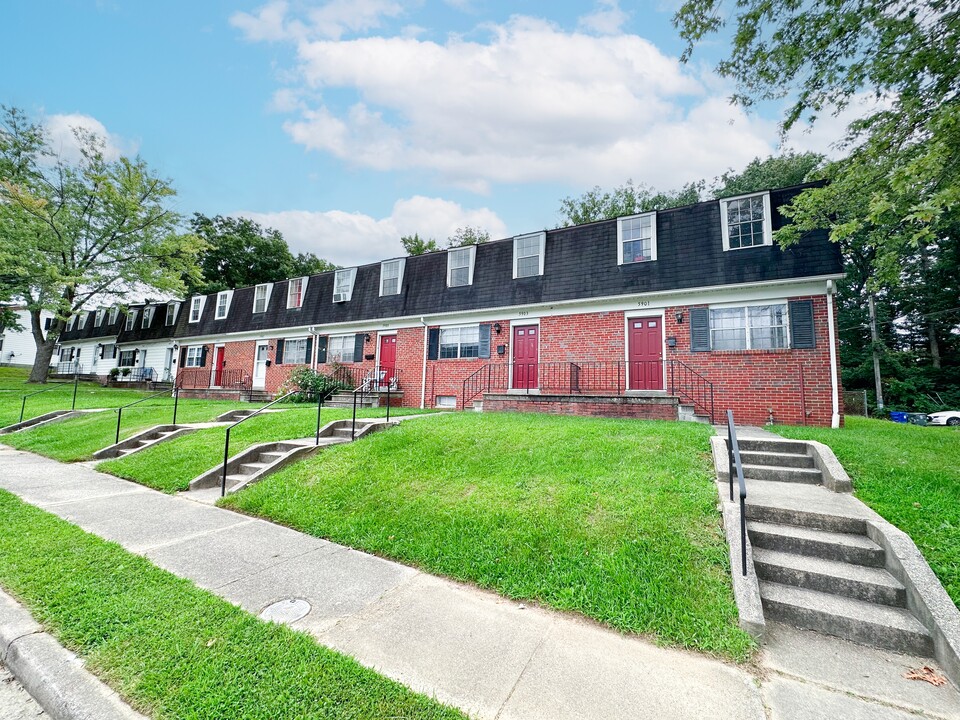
(490, 656)
(15, 702)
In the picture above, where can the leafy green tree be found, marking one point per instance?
(415, 245)
(627, 199)
(73, 231)
(468, 236)
(776, 171)
(310, 264)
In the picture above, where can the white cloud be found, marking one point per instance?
(63, 141)
(271, 22)
(354, 238)
(607, 19)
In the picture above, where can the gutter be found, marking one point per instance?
(423, 376)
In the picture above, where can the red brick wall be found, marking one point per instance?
(622, 407)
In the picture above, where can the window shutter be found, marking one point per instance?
(279, 358)
(321, 350)
(183, 356)
(115, 351)
(700, 329)
(485, 341)
(358, 348)
(309, 357)
(203, 356)
(433, 344)
(801, 325)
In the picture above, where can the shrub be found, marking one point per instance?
(310, 386)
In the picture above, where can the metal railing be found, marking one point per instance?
(226, 444)
(55, 386)
(176, 402)
(592, 377)
(72, 367)
(375, 378)
(736, 466)
(204, 378)
(378, 378)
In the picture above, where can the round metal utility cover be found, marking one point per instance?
(286, 611)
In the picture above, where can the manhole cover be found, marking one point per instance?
(286, 611)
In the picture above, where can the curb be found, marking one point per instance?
(54, 676)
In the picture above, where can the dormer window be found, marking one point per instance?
(112, 315)
(83, 320)
(343, 285)
(223, 304)
(746, 221)
(71, 321)
(391, 276)
(296, 287)
(460, 262)
(172, 309)
(637, 238)
(261, 297)
(131, 320)
(196, 308)
(98, 320)
(528, 254)
(147, 317)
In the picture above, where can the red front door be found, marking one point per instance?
(525, 356)
(645, 353)
(388, 359)
(218, 367)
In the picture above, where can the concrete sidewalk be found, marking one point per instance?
(475, 650)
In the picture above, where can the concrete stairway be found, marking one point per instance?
(818, 570)
(345, 400)
(142, 440)
(39, 420)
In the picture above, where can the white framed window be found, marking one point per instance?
(295, 352)
(131, 320)
(445, 401)
(172, 309)
(83, 320)
(752, 327)
(391, 276)
(223, 304)
(528, 254)
(340, 348)
(98, 320)
(196, 308)
(147, 316)
(343, 284)
(637, 238)
(71, 321)
(460, 262)
(128, 358)
(746, 222)
(261, 297)
(194, 356)
(113, 315)
(296, 288)
(460, 342)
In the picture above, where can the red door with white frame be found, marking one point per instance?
(388, 360)
(645, 353)
(526, 353)
(218, 363)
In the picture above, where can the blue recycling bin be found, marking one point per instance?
(900, 417)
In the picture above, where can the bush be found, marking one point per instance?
(114, 372)
(310, 386)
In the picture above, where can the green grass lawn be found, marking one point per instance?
(615, 519)
(172, 650)
(908, 474)
(170, 466)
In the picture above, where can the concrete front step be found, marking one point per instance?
(842, 547)
(35, 421)
(769, 445)
(869, 584)
(252, 468)
(753, 457)
(866, 623)
(779, 515)
(810, 476)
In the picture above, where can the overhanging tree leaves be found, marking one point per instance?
(627, 199)
(74, 231)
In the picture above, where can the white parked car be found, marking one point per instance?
(944, 417)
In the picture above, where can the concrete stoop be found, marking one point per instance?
(819, 559)
(142, 440)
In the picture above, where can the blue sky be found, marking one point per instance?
(346, 123)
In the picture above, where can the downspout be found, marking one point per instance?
(834, 385)
(423, 376)
(316, 341)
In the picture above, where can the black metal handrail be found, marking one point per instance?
(686, 381)
(352, 377)
(55, 386)
(201, 378)
(374, 377)
(735, 465)
(226, 444)
(176, 402)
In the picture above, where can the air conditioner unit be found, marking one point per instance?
(339, 297)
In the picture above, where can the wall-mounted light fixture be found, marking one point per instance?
(366, 337)
(679, 317)
(496, 328)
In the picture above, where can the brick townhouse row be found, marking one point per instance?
(645, 306)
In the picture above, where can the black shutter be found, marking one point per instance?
(116, 350)
(801, 325)
(321, 350)
(279, 358)
(203, 356)
(433, 344)
(485, 341)
(358, 347)
(700, 329)
(183, 356)
(309, 358)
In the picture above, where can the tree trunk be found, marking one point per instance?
(45, 347)
(934, 345)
